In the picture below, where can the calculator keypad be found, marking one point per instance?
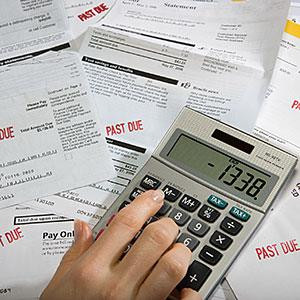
(220, 240)
(208, 214)
(198, 228)
(189, 203)
(180, 217)
(189, 241)
(195, 220)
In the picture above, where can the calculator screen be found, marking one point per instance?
(223, 170)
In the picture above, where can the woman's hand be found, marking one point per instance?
(150, 270)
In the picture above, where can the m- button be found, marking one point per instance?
(171, 194)
(150, 183)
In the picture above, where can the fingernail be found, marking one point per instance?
(77, 229)
(158, 196)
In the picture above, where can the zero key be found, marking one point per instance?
(150, 183)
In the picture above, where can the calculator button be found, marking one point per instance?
(150, 183)
(164, 209)
(179, 216)
(196, 275)
(208, 214)
(124, 204)
(217, 202)
(220, 240)
(171, 194)
(189, 203)
(239, 214)
(135, 193)
(210, 255)
(198, 228)
(231, 226)
(188, 241)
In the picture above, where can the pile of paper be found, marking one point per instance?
(78, 124)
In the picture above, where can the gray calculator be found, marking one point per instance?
(219, 183)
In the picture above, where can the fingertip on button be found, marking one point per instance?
(158, 196)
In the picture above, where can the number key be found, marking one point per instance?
(198, 228)
(188, 241)
(180, 217)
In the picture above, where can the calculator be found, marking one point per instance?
(219, 183)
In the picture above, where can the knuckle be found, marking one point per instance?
(159, 234)
(128, 219)
(174, 266)
(81, 276)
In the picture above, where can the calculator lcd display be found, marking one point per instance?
(220, 169)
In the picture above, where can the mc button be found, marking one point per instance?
(150, 183)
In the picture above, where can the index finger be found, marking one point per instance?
(110, 245)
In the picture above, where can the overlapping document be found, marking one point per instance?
(274, 252)
(145, 62)
(50, 136)
(28, 27)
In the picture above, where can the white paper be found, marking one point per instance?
(268, 267)
(31, 247)
(82, 13)
(142, 83)
(50, 137)
(31, 26)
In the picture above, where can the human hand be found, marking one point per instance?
(150, 270)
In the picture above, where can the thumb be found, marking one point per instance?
(83, 240)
